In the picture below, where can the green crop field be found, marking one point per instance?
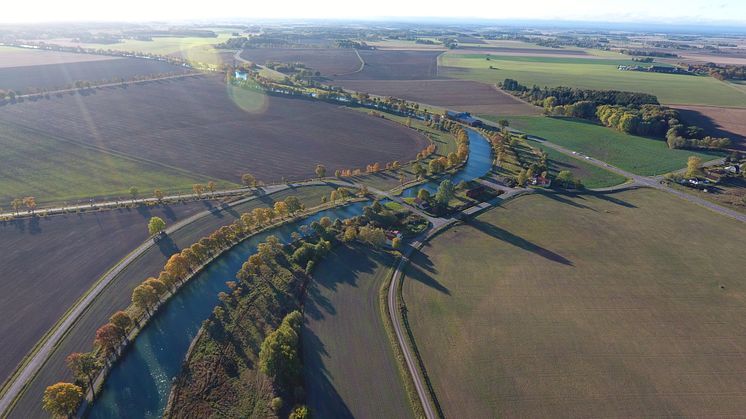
(349, 365)
(53, 170)
(643, 156)
(591, 74)
(626, 304)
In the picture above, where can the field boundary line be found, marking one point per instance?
(362, 65)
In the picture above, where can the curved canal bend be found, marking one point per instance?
(140, 382)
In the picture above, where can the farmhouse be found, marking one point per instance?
(475, 193)
(540, 181)
(464, 118)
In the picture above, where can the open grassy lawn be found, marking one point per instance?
(643, 156)
(592, 176)
(349, 366)
(117, 295)
(590, 74)
(622, 305)
(53, 170)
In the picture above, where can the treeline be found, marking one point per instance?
(720, 71)
(628, 112)
(648, 53)
(247, 360)
(569, 95)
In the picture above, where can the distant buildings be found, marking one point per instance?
(464, 118)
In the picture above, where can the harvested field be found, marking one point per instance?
(719, 122)
(349, 366)
(618, 305)
(24, 57)
(329, 61)
(531, 52)
(61, 76)
(462, 95)
(396, 65)
(198, 125)
(117, 295)
(49, 262)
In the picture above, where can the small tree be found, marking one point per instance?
(211, 187)
(83, 366)
(144, 297)
(423, 194)
(320, 170)
(61, 400)
(156, 225)
(249, 180)
(396, 243)
(121, 321)
(30, 203)
(16, 204)
(107, 338)
(445, 192)
(198, 189)
(693, 167)
(565, 178)
(522, 178)
(158, 194)
(133, 193)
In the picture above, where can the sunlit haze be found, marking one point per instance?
(665, 11)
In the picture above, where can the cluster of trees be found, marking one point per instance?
(569, 95)
(29, 202)
(628, 112)
(200, 189)
(721, 71)
(648, 53)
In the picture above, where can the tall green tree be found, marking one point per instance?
(156, 225)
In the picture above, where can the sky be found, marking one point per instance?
(659, 11)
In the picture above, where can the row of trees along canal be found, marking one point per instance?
(62, 399)
(256, 326)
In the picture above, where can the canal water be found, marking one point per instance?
(477, 165)
(139, 384)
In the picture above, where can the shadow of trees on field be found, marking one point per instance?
(167, 246)
(517, 241)
(343, 266)
(562, 199)
(614, 200)
(420, 269)
(322, 397)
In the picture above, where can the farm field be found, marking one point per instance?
(590, 74)
(48, 263)
(462, 95)
(199, 126)
(628, 304)
(24, 57)
(29, 78)
(117, 295)
(349, 366)
(396, 65)
(57, 169)
(328, 61)
(721, 122)
(639, 155)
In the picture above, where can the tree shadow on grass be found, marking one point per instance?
(614, 200)
(167, 246)
(342, 266)
(559, 198)
(322, 396)
(415, 272)
(168, 212)
(517, 241)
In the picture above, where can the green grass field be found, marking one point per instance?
(628, 304)
(53, 170)
(643, 156)
(349, 365)
(591, 74)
